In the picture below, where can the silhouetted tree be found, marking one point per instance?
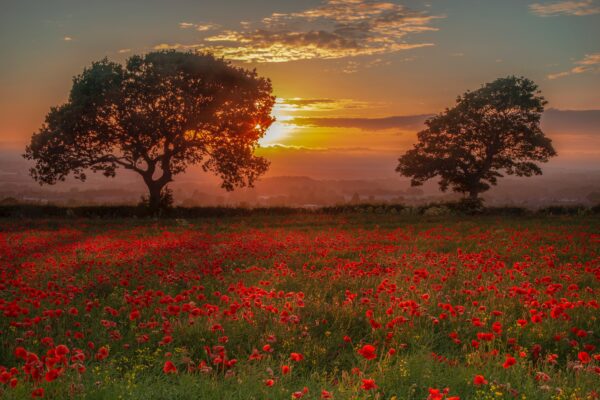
(490, 131)
(156, 115)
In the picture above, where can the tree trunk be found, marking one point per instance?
(154, 190)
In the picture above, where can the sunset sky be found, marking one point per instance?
(354, 79)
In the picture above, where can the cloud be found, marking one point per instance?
(299, 104)
(123, 51)
(67, 38)
(352, 66)
(176, 46)
(201, 27)
(586, 122)
(414, 122)
(335, 29)
(583, 122)
(569, 7)
(590, 63)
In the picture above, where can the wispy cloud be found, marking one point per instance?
(293, 105)
(569, 7)
(409, 122)
(176, 46)
(586, 122)
(590, 63)
(335, 29)
(201, 27)
(67, 38)
(123, 51)
(352, 66)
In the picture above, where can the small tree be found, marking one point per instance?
(490, 130)
(156, 115)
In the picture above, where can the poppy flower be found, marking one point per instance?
(20, 352)
(435, 394)
(61, 350)
(584, 357)
(102, 353)
(368, 351)
(169, 368)
(5, 377)
(135, 314)
(510, 361)
(368, 384)
(51, 375)
(296, 357)
(479, 380)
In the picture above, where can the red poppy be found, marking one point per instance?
(368, 351)
(135, 314)
(51, 375)
(510, 361)
(368, 384)
(169, 368)
(102, 353)
(479, 380)
(20, 352)
(584, 357)
(61, 350)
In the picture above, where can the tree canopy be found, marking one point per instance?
(156, 115)
(491, 131)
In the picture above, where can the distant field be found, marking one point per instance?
(301, 306)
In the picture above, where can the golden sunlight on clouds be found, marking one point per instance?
(286, 130)
(333, 30)
(569, 7)
(202, 27)
(590, 63)
(341, 124)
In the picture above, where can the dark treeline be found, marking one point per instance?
(429, 210)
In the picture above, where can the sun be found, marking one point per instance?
(278, 131)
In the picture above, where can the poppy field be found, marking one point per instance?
(301, 306)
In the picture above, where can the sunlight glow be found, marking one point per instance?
(278, 131)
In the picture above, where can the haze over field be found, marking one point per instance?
(354, 81)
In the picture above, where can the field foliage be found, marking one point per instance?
(346, 306)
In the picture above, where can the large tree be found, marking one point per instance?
(156, 115)
(491, 131)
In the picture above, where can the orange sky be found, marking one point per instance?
(344, 71)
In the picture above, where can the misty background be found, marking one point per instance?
(312, 177)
